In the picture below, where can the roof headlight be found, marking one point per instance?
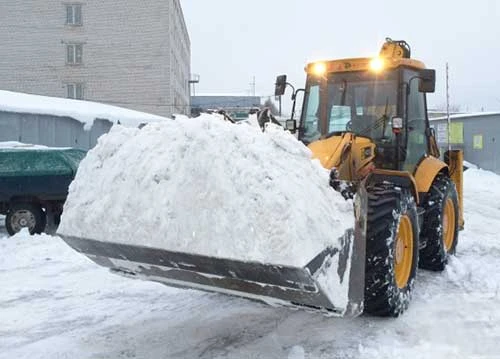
(319, 68)
(377, 64)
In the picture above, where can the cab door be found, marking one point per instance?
(416, 122)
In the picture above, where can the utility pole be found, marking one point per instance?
(448, 106)
(194, 79)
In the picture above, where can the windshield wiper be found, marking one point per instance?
(380, 121)
(344, 92)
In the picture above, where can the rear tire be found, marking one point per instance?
(391, 250)
(440, 228)
(25, 215)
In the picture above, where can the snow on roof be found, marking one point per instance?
(9, 145)
(15, 144)
(465, 115)
(83, 111)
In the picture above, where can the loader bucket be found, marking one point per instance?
(301, 287)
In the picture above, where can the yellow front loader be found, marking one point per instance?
(365, 119)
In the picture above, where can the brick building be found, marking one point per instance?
(125, 52)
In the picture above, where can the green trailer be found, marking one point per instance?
(34, 183)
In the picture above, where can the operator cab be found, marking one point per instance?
(382, 99)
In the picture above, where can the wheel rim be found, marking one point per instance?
(403, 257)
(448, 224)
(22, 219)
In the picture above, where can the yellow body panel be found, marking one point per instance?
(329, 151)
(351, 155)
(391, 49)
(391, 56)
(427, 171)
(363, 64)
(456, 169)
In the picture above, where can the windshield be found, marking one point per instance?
(359, 102)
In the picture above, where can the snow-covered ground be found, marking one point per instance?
(54, 303)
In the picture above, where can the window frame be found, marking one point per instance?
(72, 57)
(411, 74)
(326, 88)
(75, 86)
(72, 12)
(311, 84)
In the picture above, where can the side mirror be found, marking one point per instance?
(280, 85)
(291, 125)
(427, 81)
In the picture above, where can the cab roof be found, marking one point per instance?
(393, 54)
(363, 64)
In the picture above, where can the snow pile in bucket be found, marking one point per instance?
(208, 187)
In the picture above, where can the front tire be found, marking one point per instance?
(440, 228)
(391, 250)
(25, 215)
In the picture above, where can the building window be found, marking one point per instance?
(75, 91)
(74, 54)
(73, 14)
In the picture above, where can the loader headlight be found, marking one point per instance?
(319, 69)
(377, 64)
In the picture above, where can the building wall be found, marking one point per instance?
(180, 59)
(477, 135)
(52, 131)
(135, 54)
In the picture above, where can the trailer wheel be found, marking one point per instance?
(440, 228)
(391, 250)
(25, 215)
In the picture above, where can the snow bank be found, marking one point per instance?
(468, 165)
(482, 182)
(209, 187)
(83, 111)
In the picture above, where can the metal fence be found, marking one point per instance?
(48, 130)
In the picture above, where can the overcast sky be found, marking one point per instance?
(234, 40)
